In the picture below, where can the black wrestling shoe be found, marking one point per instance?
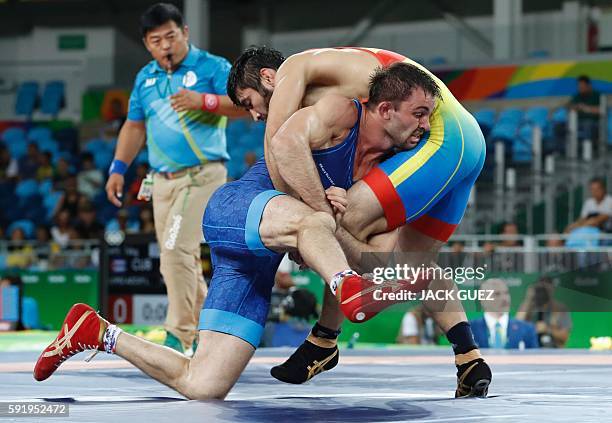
(473, 379)
(306, 362)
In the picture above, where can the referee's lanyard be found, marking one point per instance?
(167, 88)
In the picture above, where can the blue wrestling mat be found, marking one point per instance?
(370, 385)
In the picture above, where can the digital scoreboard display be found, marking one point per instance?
(135, 286)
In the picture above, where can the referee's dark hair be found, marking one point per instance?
(159, 14)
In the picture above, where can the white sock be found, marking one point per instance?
(337, 279)
(110, 338)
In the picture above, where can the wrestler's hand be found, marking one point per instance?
(186, 100)
(337, 197)
(114, 188)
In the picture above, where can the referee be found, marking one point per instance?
(178, 106)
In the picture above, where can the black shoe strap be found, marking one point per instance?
(325, 333)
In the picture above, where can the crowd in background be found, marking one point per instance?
(540, 320)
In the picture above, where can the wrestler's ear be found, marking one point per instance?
(268, 76)
(384, 108)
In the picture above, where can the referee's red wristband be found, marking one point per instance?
(210, 102)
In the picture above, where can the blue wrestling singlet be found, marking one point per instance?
(243, 268)
(335, 164)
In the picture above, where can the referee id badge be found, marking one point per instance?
(146, 188)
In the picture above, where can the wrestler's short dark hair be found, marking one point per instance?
(245, 70)
(157, 15)
(397, 82)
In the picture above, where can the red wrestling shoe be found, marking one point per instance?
(80, 331)
(361, 299)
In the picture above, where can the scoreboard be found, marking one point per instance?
(135, 289)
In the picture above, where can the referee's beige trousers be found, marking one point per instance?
(178, 208)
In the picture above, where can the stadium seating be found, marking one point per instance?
(50, 200)
(243, 136)
(537, 116)
(522, 145)
(560, 115)
(14, 135)
(504, 131)
(511, 116)
(142, 158)
(18, 150)
(103, 159)
(45, 187)
(49, 145)
(486, 119)
(26, 188)
(27, 98)
(39, 134)
(53, 98)
(515, 126)
(26, 225)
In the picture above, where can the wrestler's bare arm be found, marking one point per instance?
(344, 72)
(289, 88)
(303, 80)
(311, 128)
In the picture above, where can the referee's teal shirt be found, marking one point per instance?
(179, 140)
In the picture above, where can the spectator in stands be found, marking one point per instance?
(60, 232)
(457, 257)
(147, 225)
(131, 198)
(9, 169)
(418, 327)
(45, 169)
(496, 329)
(556, 259)
(283, 282)
(62, 173)
(123, 223)
(43, 236)
(597, 210)
(117, 118)
(511, 230)
(28, 164)
(551, 318)
(586, 103)
(290, 311)
(21, 254)
(501, 260)
(89, 180)
(46, 249)
(86, 225)
(556, 242)
(71, 198)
